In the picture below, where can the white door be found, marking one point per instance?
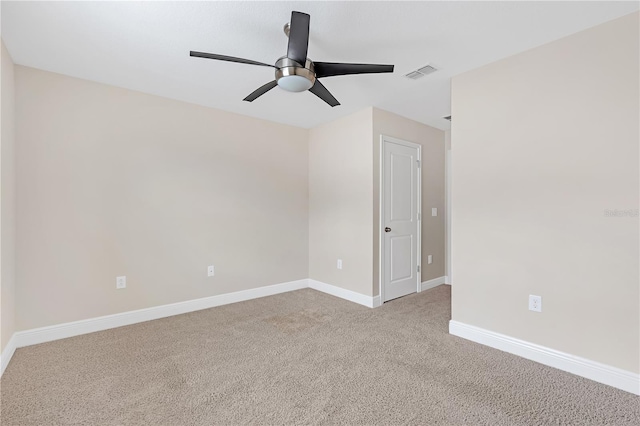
(400, 218)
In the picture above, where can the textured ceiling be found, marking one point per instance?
(145, 46)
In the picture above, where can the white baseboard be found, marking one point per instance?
(352, 296)
(593, 370)
(447, 280)
(426, 285)
(76, 328)
(376, 301)
(7, 353)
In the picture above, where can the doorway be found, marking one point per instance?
(400, 217)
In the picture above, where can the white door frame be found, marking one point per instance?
(381, 245)
(447, 217)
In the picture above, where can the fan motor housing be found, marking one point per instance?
(289, 71)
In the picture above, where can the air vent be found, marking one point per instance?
(414, 75)
(427, 69)
(421, 72)
(448, 117)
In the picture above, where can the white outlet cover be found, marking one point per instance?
(434, 211)
(339, 264)
(211, 271)
(121, 282)
(430, 259)
(535, 303)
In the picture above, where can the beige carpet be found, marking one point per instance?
(298, 358)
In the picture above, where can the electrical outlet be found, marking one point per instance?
(434, 211)
(339, 265)
(535, 303)
(429, 259)
(211, 271)
(121, 282)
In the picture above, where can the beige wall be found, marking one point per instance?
(114, 182)
(543, 143)
(344, 175)
(8, 205)
(433, 194)
(340, 200)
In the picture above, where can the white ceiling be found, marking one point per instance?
(145, 46)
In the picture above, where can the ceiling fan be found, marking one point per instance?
(295, 72)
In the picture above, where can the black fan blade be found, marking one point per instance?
(298, 37)
(261, 91)
(320, 91)
(329, 69)
(228, 58)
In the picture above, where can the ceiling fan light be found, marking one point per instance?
(294, 83)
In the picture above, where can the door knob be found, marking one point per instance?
(387, 229)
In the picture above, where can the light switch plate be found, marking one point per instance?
(434, 211)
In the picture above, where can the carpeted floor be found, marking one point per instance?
(298, 358)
